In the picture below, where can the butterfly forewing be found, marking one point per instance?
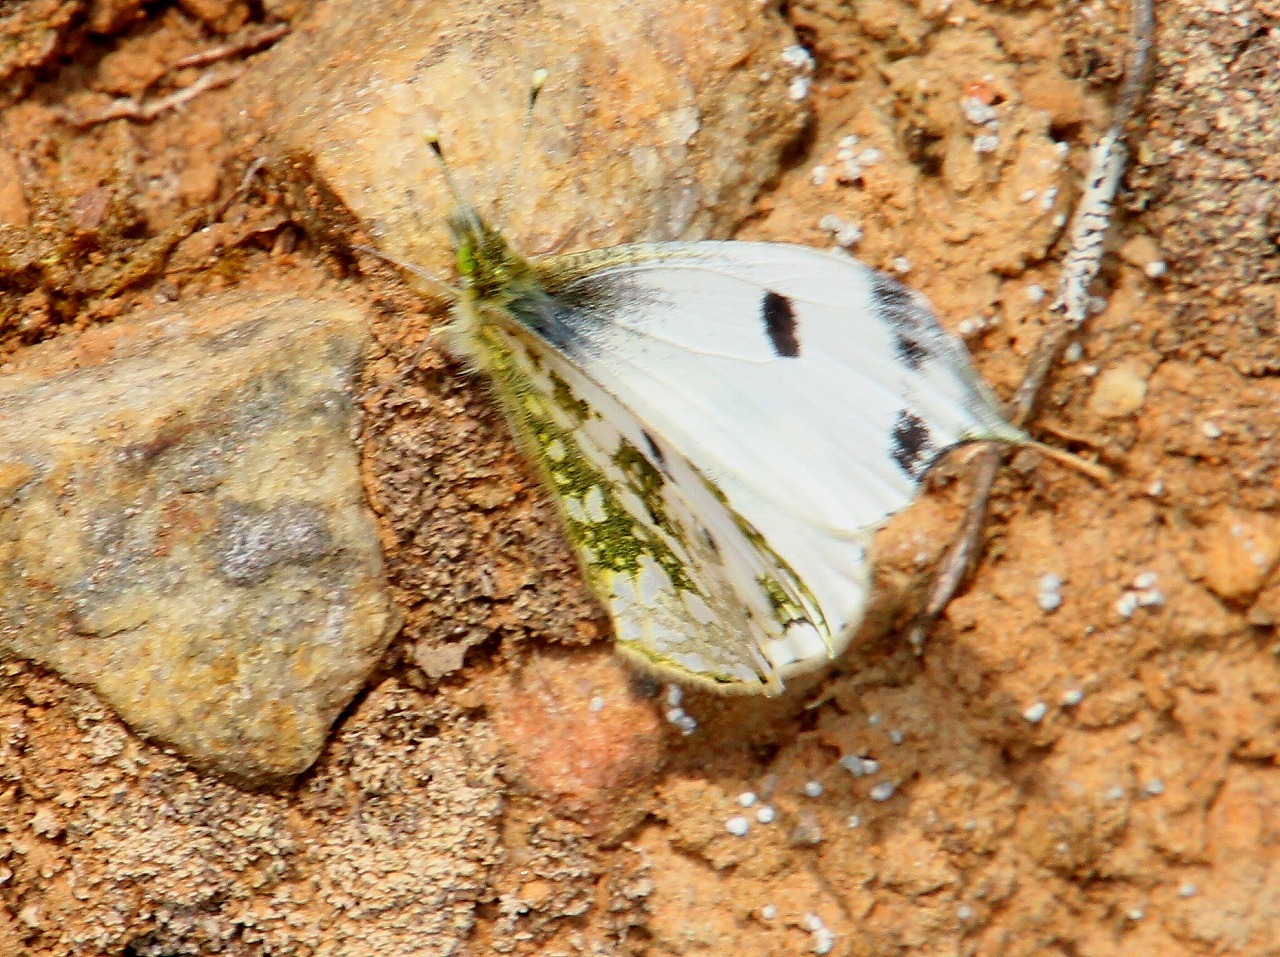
(813, 391)
(691, 586)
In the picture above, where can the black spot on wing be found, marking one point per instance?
(910, 444)
(654, 450)
(780, 323)
(916, 332)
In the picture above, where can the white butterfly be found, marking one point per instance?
(724, 426)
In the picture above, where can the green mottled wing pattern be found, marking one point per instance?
(690, 586)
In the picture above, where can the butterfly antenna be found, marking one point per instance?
(536, 82)
(459, 200)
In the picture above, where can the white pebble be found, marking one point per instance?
(853, 764)
(870, 766)
(977, 112)
(1145, 580)
(853, 821)
(1155, 269)
(986, 143)
(1028, 196)
(675, 694)
(1049, 597)
(896, 736)
(766, 814)
(768, 912)
(811, 922)
(1072, 697)
(1155, 489)
(737, 826)
(818, 175)
(1036, 293)
(1211, 430)
(1073, 352)
(813, 789)
(873, 719)
(901, 265)
(1114, 793)
(798, 57)
(1048, 199)
(688, 724)
(844, 233)
(824, 941)
(870, 156)
(674, 715)
(1136, 914)
(747, 798)
(1035, 713)
(1187, 890)
(848, 142)
(1154, 787)
(964, 911)
(1150, 598)
(1127, 604)
(798, 88)
(883, 791)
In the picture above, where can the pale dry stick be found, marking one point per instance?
(128, 108)
(1089, 227)
(250, 44)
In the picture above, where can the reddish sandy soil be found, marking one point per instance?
(1092, 779)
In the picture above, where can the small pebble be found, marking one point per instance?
(964, 911)
(1155, 489)
(1145, 580)
(871, 156)
(824, 941)
(813, 789)
(674, 715)
(737, 826)
(1036, 712)
(873, 719)
(1073, 352)
(1036, 293)
(1155, 269)
(1049, 598)
(853, 821)
(1072, 697)
(1154, 787)
(596, 704)
(1115, 793)
(986, 143)
(1127, 604)
(1211, 430)
(818, 175)
(1187, 890)
(896, 736)
(747, 798)
(768, 912)
(687, 724)
(1049, 198)
(901, 265)
(675, 694)
(853, 764)
(1151, 598)
(870, 765)
(811, 922)
(797, 57)
(976, 111)
(1136, 914)
(1028, 196)
(883, 791)
(798, 88)
(766, 814)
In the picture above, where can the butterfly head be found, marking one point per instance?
(486, 263)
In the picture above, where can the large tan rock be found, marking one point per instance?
(182, 526)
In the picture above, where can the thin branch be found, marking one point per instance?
(144, 111)
(1089, 227)
(250, 44)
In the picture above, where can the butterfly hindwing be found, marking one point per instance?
(690, 586)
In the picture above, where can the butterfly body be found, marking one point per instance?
(724, 426)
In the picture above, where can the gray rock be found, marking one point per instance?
(182, 526)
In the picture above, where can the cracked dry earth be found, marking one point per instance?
(1082, 763)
